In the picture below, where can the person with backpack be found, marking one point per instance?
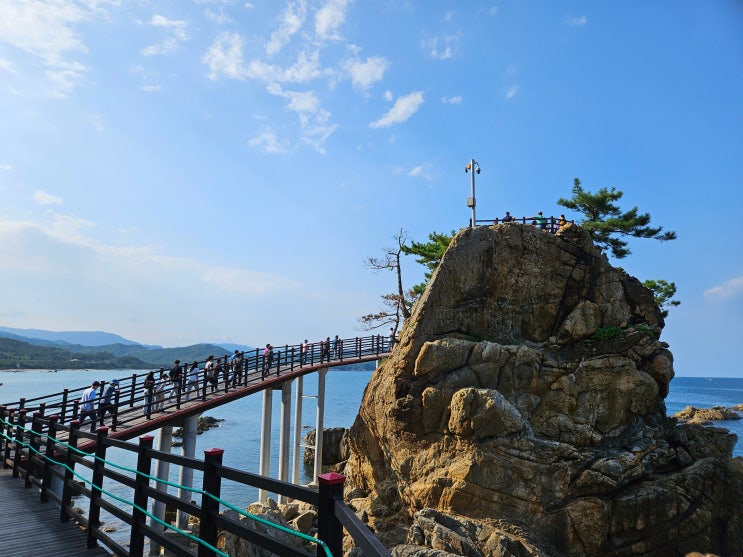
(176, 379)
(107, 404)
(149, 393)
(303, 351)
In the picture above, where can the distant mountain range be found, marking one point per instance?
(40, 349)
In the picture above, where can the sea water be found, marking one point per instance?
(239, 433)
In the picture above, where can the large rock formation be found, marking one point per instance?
(528, 388)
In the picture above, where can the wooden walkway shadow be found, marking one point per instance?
(29, 528)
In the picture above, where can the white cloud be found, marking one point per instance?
(45, 30)
(219, 17)
(43, 198)
(402, 110)
(177, 28)
(493, 10)
(6, 167)
(329, 18)
(97, 121)
(449, 16)
(728, 289)
(442, 48)
(388, 96)
(225, 56)
(290, 23)
(577, 21)
(419, 172)
(451, 100)
(365, 74)
(267, 141)
(44, 274)
(512, 91)
(150, 88)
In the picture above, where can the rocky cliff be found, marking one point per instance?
(526, 399)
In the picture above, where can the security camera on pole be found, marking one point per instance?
(473, 166)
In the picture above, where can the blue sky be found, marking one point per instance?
(217, 170)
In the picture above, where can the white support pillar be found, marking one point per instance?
(265, 454)
(165, 443)
(188, 449)
(321, 373)
(284, 433)
(297, 429)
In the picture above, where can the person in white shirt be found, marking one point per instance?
(87, 404)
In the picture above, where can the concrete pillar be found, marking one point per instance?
(284, 434)
(165, 443)
(321, 373)
(265, 454)
(297, 430)
(185, 478)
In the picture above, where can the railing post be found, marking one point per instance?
(329, 528)
(19, 432)
(212, 484)
(7, 428)
(75, 409)
(133, 390)
(94, 512)
(115, 416)
(4, 418)
(204, 382)
(358, 348)
(139, 518)
(63, 413)
(291, 367)
(46, 477)
(22, 404)
(68, 475)
(34, 444)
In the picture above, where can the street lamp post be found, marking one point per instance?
(473, 167)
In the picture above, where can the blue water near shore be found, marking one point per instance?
(239, 434)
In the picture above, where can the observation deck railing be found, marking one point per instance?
(550, 224)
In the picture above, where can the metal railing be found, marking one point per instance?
(254, 368)
(550, 224)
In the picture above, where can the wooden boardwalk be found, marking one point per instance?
(29, 528)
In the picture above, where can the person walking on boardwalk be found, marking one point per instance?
(336, 346)
(161, 389)
(87, 404)
(107, 404)
(149, 393)
(267, 360)
(236, 363)
(325, 349)
(304, 351)
(192, 380)
(214, 379)
(208, 371)
(176, 379)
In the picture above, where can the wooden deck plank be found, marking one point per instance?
(29, 528)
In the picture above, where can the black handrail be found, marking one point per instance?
(253, 369)
(551, 224)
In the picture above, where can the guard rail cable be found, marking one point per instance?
(196, 539)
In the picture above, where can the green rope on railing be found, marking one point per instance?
(268, 523)
(120, 499)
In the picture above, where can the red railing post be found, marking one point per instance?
(329, 527)
(139, 518)
(94, 512)
(210, 507)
